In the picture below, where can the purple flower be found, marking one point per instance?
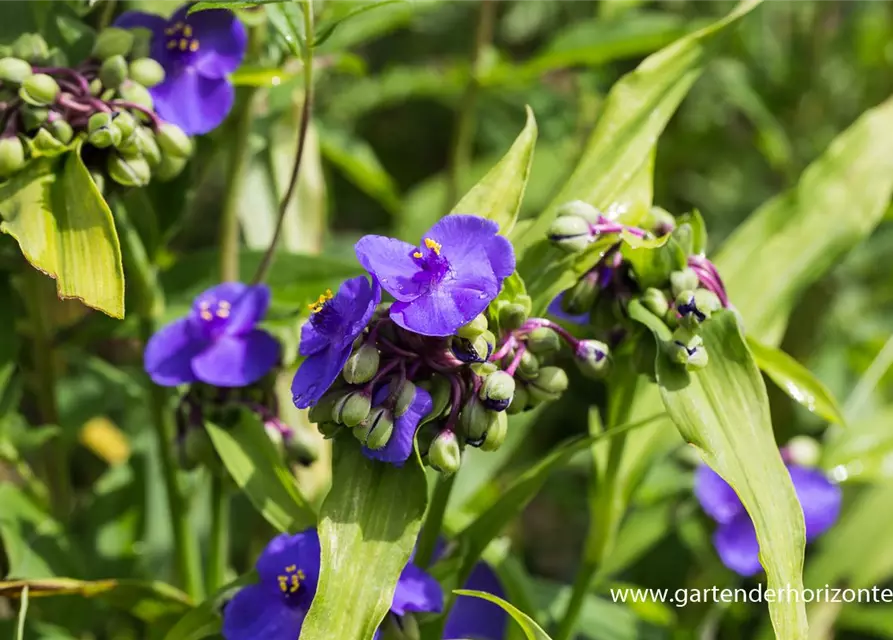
(274, 608)
(218, 342)
(197, 52)
(327, 338)
(555, 309)
(399, 447)
(448, 280)
(476, 618)
(736, 540)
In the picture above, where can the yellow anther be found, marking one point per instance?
(291, 568)
(417, 254)
(223, 313)
(193, 46)
(317, 306)
(204, 304)
(187, 31)
(283, 584)
(433, 245)
(171, 44)
(295, 583)
(206, 315)
(223, 304)
(329, 294)
(184, 44)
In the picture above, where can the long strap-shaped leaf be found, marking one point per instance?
(723, 410)
(368, 527)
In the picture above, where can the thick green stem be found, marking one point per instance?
(434, 519)
(218, 551)
(464, 129)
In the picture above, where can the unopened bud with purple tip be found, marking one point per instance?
(687, 348)
(477, 350)
(690, 316)
(445, 454)
(592, 358)
(497, 391)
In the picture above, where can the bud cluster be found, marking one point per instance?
(46, 106)
(674, 282)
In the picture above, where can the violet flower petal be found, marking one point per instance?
(390, 262)
(476, 618)
(416, 591)
(399, 447)
(194, 102)
(237, 361)
(169, 353)
(446, 308)
(222, 40)
(819, 498)
(736, 544)
(259, 611)
(717, 498)
(316, 374)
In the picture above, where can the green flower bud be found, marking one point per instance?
(445, 454)
(549, 384)
(362, 365)
(98, 121)
(425, 436)
(543, 341)
(570, 233)
(146, 145)
(44, 142)
(592, 358)
(404, 398)
(131, 171)
(14, 70)
(671, 319)
(169, 167)
(112, 41)
(33, 117)
(660, 220)
(352, 408)
(12, 156)
(528, 367)
(328, 429)
(580, 209)
(61, 130)
(30, 47)
(474, 328)
(803, 451)
(685, 280)
(687, 348)
(474, 420)
(136, 93)
(483, 369)
(707, 301)
(497, 391)
(519, 400)
(142, 43)
(104, 137)
(496, 434)
(113, 72)
(147, 72)
(512, 316)
(39, 90)
(95, 87)
(376, 430)
(581, 297)
(690, 316)
(173, 141)
(124, 122)
(655, 301)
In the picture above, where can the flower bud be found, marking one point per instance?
(687, 348)
(44, 142)
(168, 167)
(61, 130)
(352, 408)
(33, 117)
(39, 90)
(474, 420)
(570, 233)
(581, 297)
(474, 328)
(98, 120)
(660, 221)
(376, 430)
(173, 141)
(405, 398)
(528, 367)
(444, 454)
(362, 365)
(12, 156)
(328, 428)
(581, 210)
(124, 122)
(690, 316)
(496, 434)
(519, 400)
(707, 301)
(477, 350)
(655, 301)
(549, 384)
(802, 451)
(136, 93)
(132, 171)
(146, 145)
(592, 358)
(685, 280)
(14, 70)
(112, 41)
(113, 72)
(147, 72)
(512, 316)
(497, 391)
(30, 47)
(104, 137)
(543, 340)
(95, 87)
(483, 369)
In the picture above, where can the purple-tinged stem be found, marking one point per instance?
(65, 71)
(455, 399)
(534, 323)
(516, 361)
(508, 345)
(70, 102)
(156, 121)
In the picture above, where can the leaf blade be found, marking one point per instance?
(531, 629)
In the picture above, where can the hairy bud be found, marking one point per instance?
(496, 434)
(124, 122)
(132, 171)
(445, 454)
(39, 90)
(104, 136)
(352, 408)
(592, 358)
(687, 348)
(12, 156)
(168, 167)
(61, 130)
(474, 328)
(476, 350)
(570, 233)
(136, 93)
(685, 280)
(474, 420)
(549, 384)
(112, 42)
(690, 316)
(655, 301)
(113, 72)
(543, 341)
(405, 398)
(362, 365)
(14, 70)
(581, 297)
(147, 72)
(497, 391)
(174, 141)
(580, 209)
(512, 316)
(328, 428)
(376, 430)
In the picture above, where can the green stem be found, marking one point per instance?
(306, 112)
(218, 552)
(434, 519)
(869, 380)
(38, 296)
(464, 130)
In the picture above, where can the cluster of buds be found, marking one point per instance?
(47, 106)
(488, 369)
(223, 406)
(684, 291)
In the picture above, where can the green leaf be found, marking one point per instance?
(65, 229)
(148, 601)
(864, 451)
(204, 621)
(287, 20)
(796, 380)
(254, 464)
(498, 195)
(531, 629)
(794, 238)
(634, 114)
(325, 30)
(23, 614)
(723, 411)
(368, 527)
(653, 265)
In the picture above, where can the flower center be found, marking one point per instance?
(179, 38)
(290, 581)
(316, 307)
(430, 244)
(324, 316)
(214, 315)
(434, 266)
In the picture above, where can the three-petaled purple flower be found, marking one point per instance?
(448, 280)
(399, 447)
(218, 343)
(197, 51)
(327, 338)
(736, 540)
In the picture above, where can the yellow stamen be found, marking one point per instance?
(223, 313)
(171, 44)
(193, 46)
(291, 568)
(433, 245)
(187, 31)
(317, 306)
(206, 315)
(184, 44)
(224, 304)
(417, 254)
